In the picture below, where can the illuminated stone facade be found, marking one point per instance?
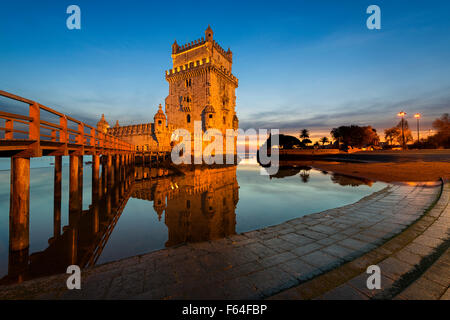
(201, 88)
(148, 136)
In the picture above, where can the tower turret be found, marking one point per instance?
(102, 125)
(209, 34)
(208, 113)
(175, 47)
(160, 119)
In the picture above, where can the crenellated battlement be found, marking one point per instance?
(187, 66)
(177, 49)
(188, 46)
(227, 54)
(197, 65)
(145, 128)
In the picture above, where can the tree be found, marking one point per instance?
(306, 141)
(406, 132)
(284, 142)
(392, 134)
(324, 140)
(442, 137)
(356, 136)
(304, 134)
(442, 124)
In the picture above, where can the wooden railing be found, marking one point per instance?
(57, 134)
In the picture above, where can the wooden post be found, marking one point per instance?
(63, 135)
(57, 197)
(80, 181)
(34, 132)
(96, 193)
(74, 201)
(19, 213)
(117, 168)
(104, 175)
(122, 166)
(95, 216)
(110, 170)
(108, 203)
(95, 176)
(9, 129)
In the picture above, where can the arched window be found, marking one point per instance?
(188, 118)
(210, 116)
(159, 122)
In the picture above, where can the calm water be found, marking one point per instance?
(163, 208)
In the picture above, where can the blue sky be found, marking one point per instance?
(310, 64)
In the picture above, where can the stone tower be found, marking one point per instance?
(102, 125)
(201, 86)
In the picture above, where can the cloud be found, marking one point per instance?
(380, 113)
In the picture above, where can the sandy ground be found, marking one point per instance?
(386, 171)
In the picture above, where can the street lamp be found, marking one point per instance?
(403, 114)
(417, 116)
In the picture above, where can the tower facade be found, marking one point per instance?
(201, 86)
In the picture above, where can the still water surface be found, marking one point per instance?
(162, 208)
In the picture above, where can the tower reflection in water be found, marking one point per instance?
(196, 204)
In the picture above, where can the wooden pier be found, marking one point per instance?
(33, 135)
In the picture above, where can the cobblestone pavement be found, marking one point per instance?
(253, 265)
(414, 265)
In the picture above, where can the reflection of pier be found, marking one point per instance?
(199, 205)
(46, 132)
(83, 240)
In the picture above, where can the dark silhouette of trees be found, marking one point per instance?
(442, 137)
(356, 136)
(284, 142)
(406, 131)
(324, 140)
(392, 134)
(304, 135)
(306, 141)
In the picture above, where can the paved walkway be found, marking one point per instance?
(414, 265)
(252, 265)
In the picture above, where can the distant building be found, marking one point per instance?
(201, 88)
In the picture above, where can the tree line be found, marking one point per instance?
(355, 136)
